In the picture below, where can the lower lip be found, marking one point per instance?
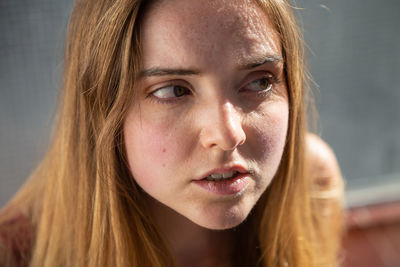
(225, 187)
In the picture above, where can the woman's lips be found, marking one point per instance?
(225, 170)
(222, 187)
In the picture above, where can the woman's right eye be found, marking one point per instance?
(171, 91)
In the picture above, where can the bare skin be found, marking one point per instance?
(327, 187)
(324, 169)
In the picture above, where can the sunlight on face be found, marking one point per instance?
(207, 131)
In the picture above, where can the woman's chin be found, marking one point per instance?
(221, 220)
(221, 226)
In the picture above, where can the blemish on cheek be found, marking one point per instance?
(164, 150)
(163, 165)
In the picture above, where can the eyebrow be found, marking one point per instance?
(250, 64)
(165, 71)
(256, 62)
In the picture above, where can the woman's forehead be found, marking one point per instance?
(174, 29)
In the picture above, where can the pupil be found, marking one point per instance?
(179, 91)
(264, 83)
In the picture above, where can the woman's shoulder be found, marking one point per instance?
(16, 237)
(327, 194)
(323, 167)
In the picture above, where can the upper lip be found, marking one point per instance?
(225, 169)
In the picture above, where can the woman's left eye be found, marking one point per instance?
(263, 84)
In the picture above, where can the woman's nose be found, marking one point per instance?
(222, 128)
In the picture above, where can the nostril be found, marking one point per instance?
(242, 140)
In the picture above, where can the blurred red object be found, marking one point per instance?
(373, 236)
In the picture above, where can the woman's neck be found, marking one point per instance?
(191, 244)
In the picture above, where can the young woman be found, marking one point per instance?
(181, 141)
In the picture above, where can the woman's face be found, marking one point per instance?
(207, 129)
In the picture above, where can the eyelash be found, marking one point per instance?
(272, 79)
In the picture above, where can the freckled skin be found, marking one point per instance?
(170, 145)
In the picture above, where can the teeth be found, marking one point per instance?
(221, 176)
(216, 176)
(228, 175)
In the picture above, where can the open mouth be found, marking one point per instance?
(231, 180)
(222, 176)
(230, 183)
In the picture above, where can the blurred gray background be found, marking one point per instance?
(354, 58)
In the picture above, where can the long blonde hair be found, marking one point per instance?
(84, 204)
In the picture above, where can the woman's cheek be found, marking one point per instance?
(271, 130)
(146, 152)
(153, 146)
